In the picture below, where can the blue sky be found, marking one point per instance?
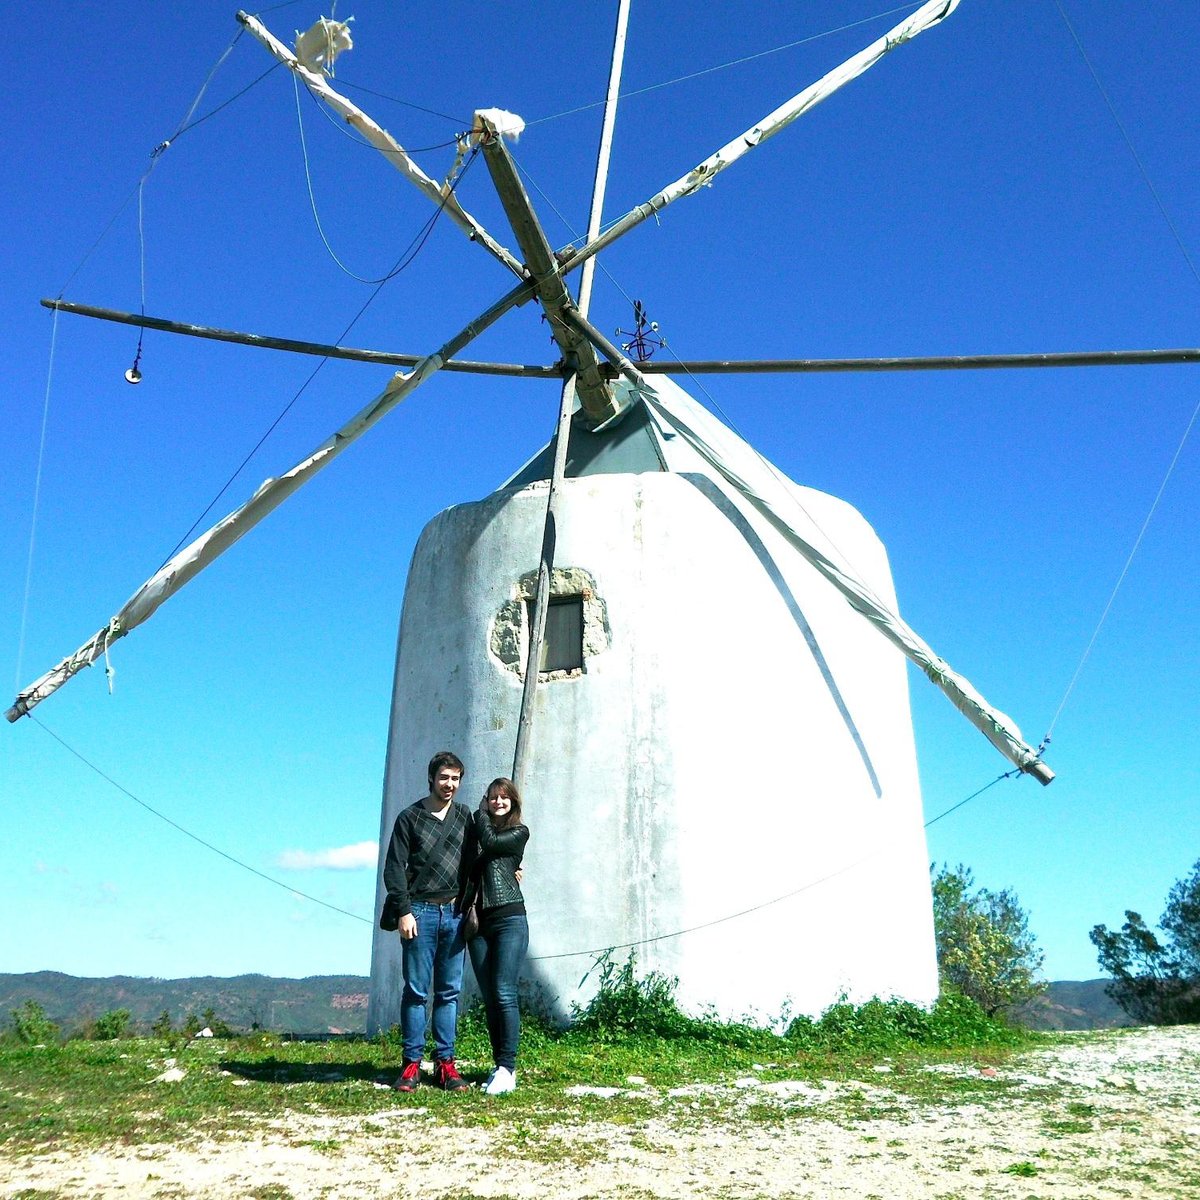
(972, 194)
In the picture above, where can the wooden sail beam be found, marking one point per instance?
(383, 141)
(320, 349)
(703, 174)
(706, 366)
(994, 725)
(604, 152)
(205, 549)
(595, 396)
(945, 362)
(522, 750)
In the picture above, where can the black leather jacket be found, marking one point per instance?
(500, 854)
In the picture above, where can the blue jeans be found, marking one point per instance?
(496, 957)
(432, 961)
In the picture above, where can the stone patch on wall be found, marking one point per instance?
(510, 633)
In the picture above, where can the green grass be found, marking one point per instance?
(1025, 1170)
(92, 1092)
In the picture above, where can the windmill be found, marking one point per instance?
(761, 522)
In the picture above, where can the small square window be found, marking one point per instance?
(562, 646)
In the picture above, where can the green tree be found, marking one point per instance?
(1157, 980)
(985, 949)
(219, 1027)
(32, 1026)
(111, 1025)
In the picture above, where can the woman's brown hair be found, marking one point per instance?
(507, 788)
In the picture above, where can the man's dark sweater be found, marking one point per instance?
(415, 837)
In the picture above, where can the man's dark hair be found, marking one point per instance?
(443, 759)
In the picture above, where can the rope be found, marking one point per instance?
(37, 495)
(433, 112)
(349, 131)
(237, 862)
(312, 203)
(224, 103)
(1137, 542)
(183, 125)
(535, 958)
(138, 189)
(134, 374)
(1191, 265)
(406, 258)
(736, 62)
(1112, 109)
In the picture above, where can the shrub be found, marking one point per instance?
(32, 1026)
(111, 1025)
(628, 1008)
(881, 1027)
(985, 949)
(624, 1004)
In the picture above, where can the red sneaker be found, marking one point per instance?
(409, 1077)
(446, 1076)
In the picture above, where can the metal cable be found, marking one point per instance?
(410, 253)
(37, 494)
(1187, 258)
(533, 958)
(237, 862)
(736, 62)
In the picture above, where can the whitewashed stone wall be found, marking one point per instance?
(699, 768)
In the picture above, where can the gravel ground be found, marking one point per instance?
(1099, 1115)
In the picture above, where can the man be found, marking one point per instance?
(428, 859)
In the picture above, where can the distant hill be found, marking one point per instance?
(338, 1003)
(318, 1004)
(1070, 1004)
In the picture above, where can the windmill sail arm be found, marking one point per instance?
(762, 488)
(705, 172)
(767, 495)
(192, 559)
(293, 346)
(383, 141)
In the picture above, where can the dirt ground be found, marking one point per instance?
(1102, 1115)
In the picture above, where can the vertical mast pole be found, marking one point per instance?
(588, 270)
(541, 601)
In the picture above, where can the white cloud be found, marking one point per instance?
(340, 858)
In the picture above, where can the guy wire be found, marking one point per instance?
(406, 258)
(534, 958)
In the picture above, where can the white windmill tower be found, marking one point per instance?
(709, 730)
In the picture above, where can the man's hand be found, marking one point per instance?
(408, 927)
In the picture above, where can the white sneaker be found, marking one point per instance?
(502, 1081)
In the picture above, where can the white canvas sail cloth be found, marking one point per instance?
(676, 413)
(318, 47)
(193, 558)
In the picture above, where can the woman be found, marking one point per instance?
(498, 950)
